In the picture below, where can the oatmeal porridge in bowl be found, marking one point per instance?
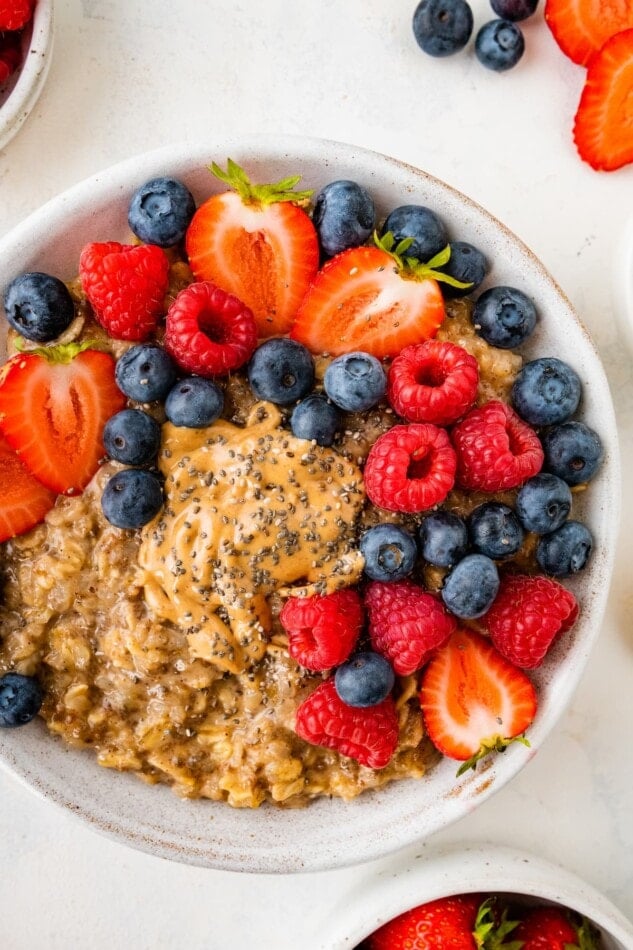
(260, 586)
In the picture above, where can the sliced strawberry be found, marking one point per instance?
(258, 244)
(473, 700)
(371, 299)
(23, 500)
(603, 130)
(581, 27)
(54, 403)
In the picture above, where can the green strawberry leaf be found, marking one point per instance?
(237, 179)
(61, 352)
(588, 937)
(488, 935)
(496, 744)
(411, 267)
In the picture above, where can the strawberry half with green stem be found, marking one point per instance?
(581, 27)
(257, 243)
(603, 129)
(374, 299)
(23, 500)
(54, 403)
(473, 700)
(460, 922)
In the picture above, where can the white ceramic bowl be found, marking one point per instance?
(19, 95)
(483, 869)
(328, 833)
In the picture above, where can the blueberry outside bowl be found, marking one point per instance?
(328, 833)
(487, 869)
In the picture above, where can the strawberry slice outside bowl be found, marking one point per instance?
(327, 833)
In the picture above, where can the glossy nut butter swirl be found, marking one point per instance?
(249, 511)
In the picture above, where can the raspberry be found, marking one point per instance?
(369, 735)
(410, 468)
(495, 449)
(322, 631)
(14, 14)
(10, 55)
(406, 624)
(209, 331)
(529, 613)
(433, 382)
(126, 285)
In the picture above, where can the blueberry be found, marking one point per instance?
(423, 225)
(546, 392)
(514, 9)
(355, 381)
(566, 550)
(471, 586)
(466, 264)
(38, 306)
(344, 216)
(131, 498)
(543, 503)
(495, 530)
(281, 371)
(160, 211)
(389, 552)
(132, 436)
(443, 539)
(364, 680)
(504, 317)
(499, 45)
(573, 451)
(20, 699)
(194, 402)
(442, 27)
(145, 372)
(316, 418)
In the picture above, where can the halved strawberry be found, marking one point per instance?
(372, 299)
(23, 500)
(473, 700)
(54, 403)
(257, 243)
(581, 27)
(603, 130)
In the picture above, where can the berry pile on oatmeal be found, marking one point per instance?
(284, 513)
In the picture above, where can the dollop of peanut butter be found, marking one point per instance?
(248, 512)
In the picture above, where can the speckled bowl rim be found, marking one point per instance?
(333, 833)
(38, 52)
(484, 868)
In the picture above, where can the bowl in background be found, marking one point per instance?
(21, 92)
(485, 869)
(328, 833)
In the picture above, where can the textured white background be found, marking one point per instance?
(129, 75)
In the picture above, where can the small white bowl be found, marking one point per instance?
(328, 833)
(485, 869)
(22, 90)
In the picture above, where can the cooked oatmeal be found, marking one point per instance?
(161, 648)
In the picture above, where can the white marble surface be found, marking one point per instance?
(129, 75)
